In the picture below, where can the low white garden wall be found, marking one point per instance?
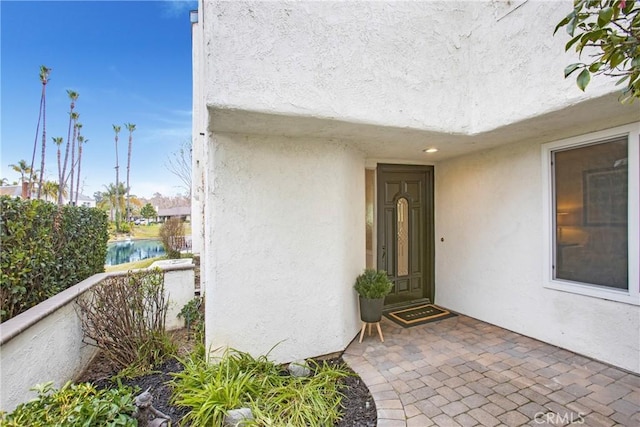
(179, 287)
(45, 342)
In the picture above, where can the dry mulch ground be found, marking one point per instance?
(359, 409)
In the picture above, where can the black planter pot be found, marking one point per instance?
(371, 309)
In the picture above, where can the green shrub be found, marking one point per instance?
(74, 405)
(125, 227)
(27, 255)
(193, 315)
(373, 284)
(81, 248)
(306, 401)
(46, 249)
(210, 390)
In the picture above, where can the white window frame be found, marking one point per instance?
(632, 295)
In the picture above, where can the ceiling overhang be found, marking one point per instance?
(387, 142)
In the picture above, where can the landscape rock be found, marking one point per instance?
(237, 417)
(299, 368)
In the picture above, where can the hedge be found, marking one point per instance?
(46, 249)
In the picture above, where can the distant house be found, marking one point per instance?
(436, 140)
(86, 201)
(22, 191)
(181, 212)
(17, 191)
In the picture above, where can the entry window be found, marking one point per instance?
(591, 213)
(591, 205)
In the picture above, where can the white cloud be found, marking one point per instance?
(173, 8)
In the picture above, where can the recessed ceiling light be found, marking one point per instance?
(430, 150)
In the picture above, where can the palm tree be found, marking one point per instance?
(116, 129)
(50, 190)
(58, 141)
(44, 79)
(22, 168)
(73, 96)
(130, 127)
(72, 168)
(113, 200)
(32, 179)
(81, 142)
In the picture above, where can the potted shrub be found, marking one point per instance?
(372, 286)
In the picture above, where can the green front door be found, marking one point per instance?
(405, 247)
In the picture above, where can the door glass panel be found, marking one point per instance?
(369, 185)
(402, 215)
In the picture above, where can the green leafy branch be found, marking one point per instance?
(610, 29)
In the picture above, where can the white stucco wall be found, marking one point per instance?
(489, 213)
(45, 343)
(361, 61)
(390, 79)
(198, 138)
(516, 65)
(447, 66)
(178, 288)
(286, 232)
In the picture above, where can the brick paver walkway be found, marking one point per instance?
(464, 372)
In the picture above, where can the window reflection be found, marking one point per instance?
(591, 202)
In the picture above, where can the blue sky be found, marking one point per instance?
(130, 61)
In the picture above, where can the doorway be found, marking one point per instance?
(405, 231)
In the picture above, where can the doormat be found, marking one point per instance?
(418, 315)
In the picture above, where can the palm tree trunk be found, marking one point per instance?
(117, 193)
(117, 130)
(35, 142)
(44, 138)
(79, 164)
(59, 173)
(73, 158)
(42, 114)
(128, 169)
(131, 127)
(64, 165)
(73, 96)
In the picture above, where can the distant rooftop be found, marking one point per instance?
(176, 211)
(11, 190)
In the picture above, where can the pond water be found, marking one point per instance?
(133, 250)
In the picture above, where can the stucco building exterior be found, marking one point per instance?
(311, 121)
